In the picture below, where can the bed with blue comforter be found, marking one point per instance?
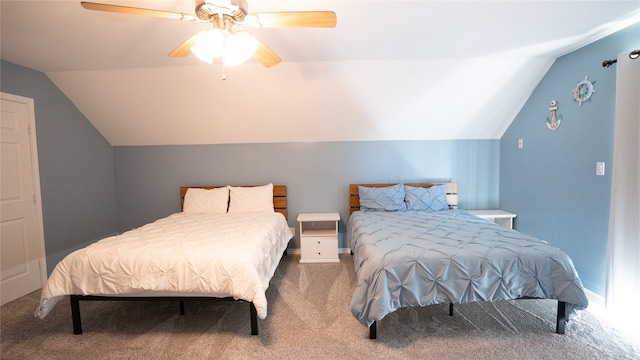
(417, 258)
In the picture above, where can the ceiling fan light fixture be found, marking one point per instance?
(209, 45)
(225, 16)
(238, 48)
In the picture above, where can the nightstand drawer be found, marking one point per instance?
(315, 247)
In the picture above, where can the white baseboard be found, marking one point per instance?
(597, 303)
(595, 298)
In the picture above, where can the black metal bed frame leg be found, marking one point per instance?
(254, 319)
(450, 309)
(561, 320)
(373, 330)
(75, 314)
(181, 307)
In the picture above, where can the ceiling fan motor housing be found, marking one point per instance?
(206, 9)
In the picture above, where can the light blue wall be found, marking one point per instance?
(317, 175)
(551, 183)
(81, 173)
(76, 166)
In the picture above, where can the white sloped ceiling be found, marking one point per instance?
(390, 70)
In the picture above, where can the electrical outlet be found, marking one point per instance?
(520, 143)
(600, 168)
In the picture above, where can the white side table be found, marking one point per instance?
(319, 237)
(501, 217)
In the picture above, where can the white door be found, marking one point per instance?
(22, 256)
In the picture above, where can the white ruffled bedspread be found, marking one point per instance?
(229, 255)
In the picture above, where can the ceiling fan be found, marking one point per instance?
(224, 39)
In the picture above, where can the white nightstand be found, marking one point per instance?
(501, 217)
(319, 237)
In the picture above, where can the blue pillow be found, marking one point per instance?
(389, 198)
(421, 199)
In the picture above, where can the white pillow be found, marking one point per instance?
(254, 199)
(206, 201)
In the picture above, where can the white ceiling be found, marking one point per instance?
(390, 70)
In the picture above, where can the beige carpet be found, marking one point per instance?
(309, 318)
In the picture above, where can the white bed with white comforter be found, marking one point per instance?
(220, 255)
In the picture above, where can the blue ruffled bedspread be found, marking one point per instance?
(419, 258)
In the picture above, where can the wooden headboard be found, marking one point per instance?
(279, 196)
(354, 195)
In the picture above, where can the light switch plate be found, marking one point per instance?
(600, 168)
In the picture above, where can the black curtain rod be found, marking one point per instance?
(632, 55)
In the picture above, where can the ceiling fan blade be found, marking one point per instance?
(184, 49)
(321, 19)
(136, 11)
(265, 56)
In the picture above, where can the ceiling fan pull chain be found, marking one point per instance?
(224, 48)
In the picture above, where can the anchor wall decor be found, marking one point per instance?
(554, 121)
